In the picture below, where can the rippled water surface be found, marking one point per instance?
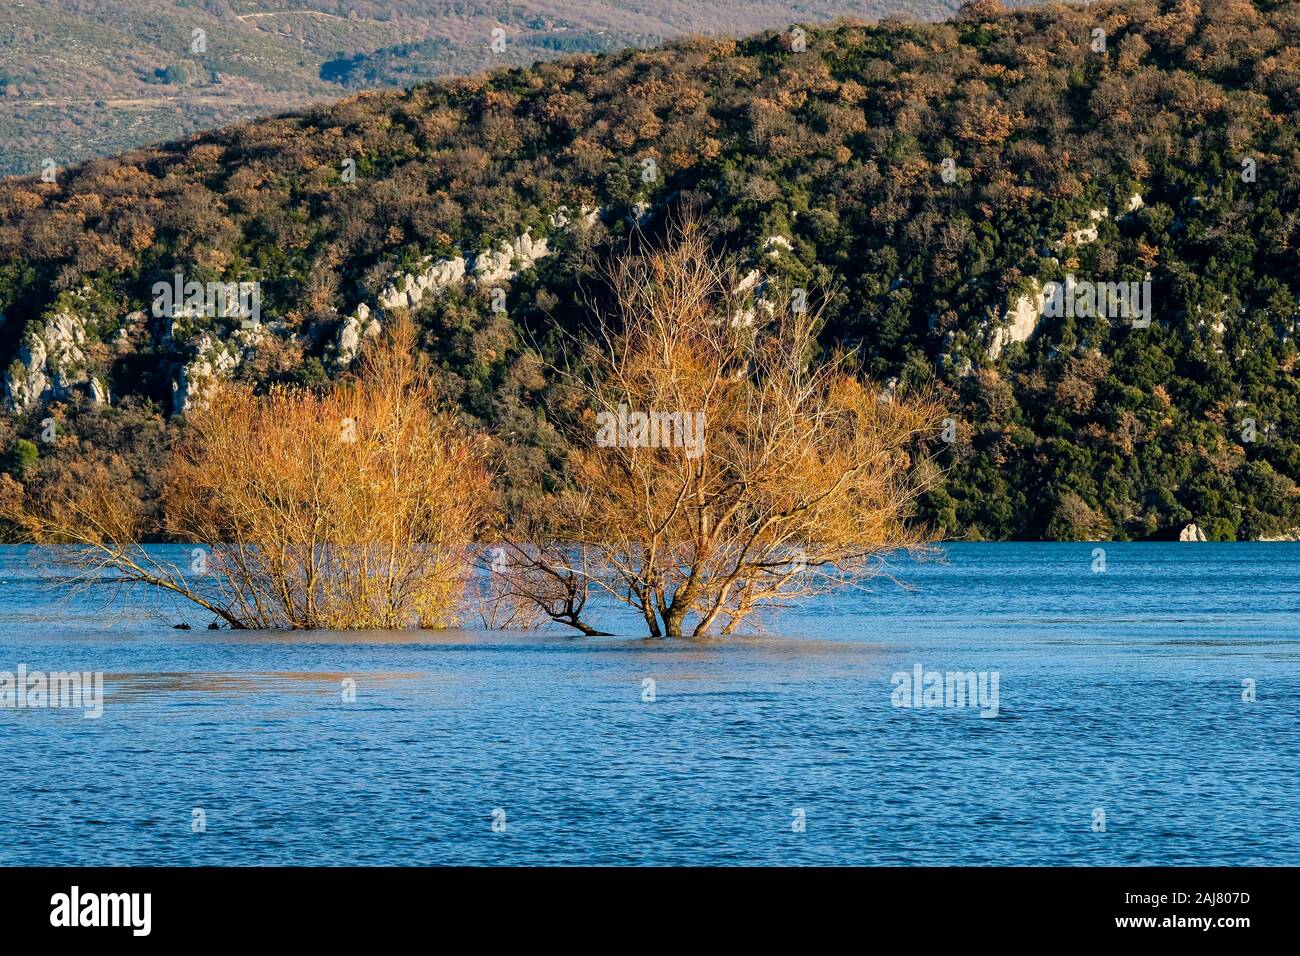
(1120, 691)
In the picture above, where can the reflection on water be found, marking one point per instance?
(1121, 690)
(137, 686)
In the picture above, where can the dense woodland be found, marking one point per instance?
(87, 78)
(1089, 429)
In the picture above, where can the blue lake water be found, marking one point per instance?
(1118, 693)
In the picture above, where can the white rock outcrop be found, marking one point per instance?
(748, 281)
(587, 217)
(353, 330)
(1020, 320)
(773, 246)
(1083, 235)
(51, 362)
(212, 359)
(495, 266)
(491, 267)
(755, 283)
(406, 290)
(99, 392)
(1191, 533)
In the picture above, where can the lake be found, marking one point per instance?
(1146, 714)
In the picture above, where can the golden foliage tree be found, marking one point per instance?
(354, 507)
(722, 467)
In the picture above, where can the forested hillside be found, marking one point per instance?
(921, 181)
(86, 78)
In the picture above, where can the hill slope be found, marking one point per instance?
(1171, 154)
(85, 78)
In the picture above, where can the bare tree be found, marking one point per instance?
(722, 467)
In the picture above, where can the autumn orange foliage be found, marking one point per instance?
(355, 507)
(784, 474)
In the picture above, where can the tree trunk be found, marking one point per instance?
(651, 622)
(673, 619)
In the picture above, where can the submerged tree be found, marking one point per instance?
(354, 507)
(720, 469)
